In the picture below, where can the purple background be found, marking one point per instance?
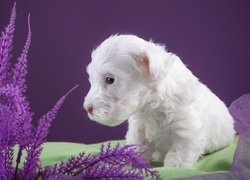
(211, 37)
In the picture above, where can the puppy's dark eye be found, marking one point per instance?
(110, 80)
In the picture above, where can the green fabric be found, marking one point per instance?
(213, 163)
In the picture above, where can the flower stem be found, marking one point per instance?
(18, 159)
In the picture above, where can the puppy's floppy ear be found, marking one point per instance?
(157, 60)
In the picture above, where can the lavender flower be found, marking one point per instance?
(7, 123)
(7, 142)
(15, 115)
(35, 148)
(20, 69)
(6, 47)
(16, 127)
(117, 163)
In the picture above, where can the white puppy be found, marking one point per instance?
(168, 109)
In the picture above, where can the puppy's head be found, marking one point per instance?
(122, 75)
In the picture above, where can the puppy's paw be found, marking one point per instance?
(173, 159)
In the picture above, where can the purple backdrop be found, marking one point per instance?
(211, 37)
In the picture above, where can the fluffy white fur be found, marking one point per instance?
(168, 109)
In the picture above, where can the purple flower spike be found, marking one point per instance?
(110, 163)
(15, 115)
(20, 69)
(11, 92)
(6, 47)
(35, 149)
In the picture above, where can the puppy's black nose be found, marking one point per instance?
(89, 109)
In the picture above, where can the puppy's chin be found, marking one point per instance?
(106, 121)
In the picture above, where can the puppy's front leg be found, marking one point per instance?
(136, 135)
(184, 151)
